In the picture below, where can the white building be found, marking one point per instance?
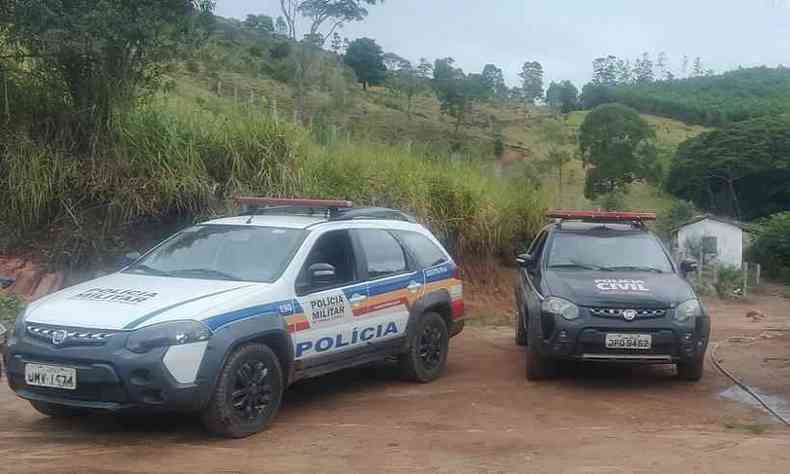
(721, 240)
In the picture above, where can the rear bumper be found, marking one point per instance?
(108, 378)
(585, 340)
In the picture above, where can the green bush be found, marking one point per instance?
(730, 282)
(10, 307)
(771, 247)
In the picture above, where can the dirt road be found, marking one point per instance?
(483, 416)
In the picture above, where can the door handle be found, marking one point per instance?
(414, 286)
(357, 298)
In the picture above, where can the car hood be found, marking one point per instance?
(129, 301)
(641, 290)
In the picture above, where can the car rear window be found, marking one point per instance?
(427, 253)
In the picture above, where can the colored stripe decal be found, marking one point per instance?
(156, 313)
(216, 322)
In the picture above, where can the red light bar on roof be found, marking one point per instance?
(602, 215)
(305, 203)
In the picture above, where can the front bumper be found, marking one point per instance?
(585, 339)
(109, 377)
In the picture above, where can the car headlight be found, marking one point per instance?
(561, 307)
(688, 310)
(167, 334)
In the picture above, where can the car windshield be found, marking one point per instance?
(224, 252)
(637, 252)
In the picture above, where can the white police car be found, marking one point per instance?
(221, 317)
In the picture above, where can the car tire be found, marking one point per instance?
(692, 370)
(521, 332)
(54, 410)
(539, 367)
(426, 358)
(248, 393)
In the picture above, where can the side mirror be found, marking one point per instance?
(688, 265)
(5, 282)
(129, 259)
(527, 261)
(322, 275)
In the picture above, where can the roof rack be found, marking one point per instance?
(636, 218)
(333, 210)
(372, 213)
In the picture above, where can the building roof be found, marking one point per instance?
(724, 220)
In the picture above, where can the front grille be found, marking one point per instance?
(617, 313)
(68, 337)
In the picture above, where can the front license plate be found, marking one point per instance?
(51, 376)
(629, 341)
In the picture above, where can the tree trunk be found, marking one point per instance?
(736, 204)
(559, 197)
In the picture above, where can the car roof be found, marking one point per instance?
(313, 222)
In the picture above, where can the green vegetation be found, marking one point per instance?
(10, 307)
(771, 247)
(618, 145)
(742, 170)
(709, 100)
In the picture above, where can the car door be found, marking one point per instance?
(394, 283)
(530, 279)
(329, 309)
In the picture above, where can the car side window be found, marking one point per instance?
(424, 250)
(333, 248)
(537, 245)
(383, 253)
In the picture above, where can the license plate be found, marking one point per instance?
(629, 341)
(51, 376)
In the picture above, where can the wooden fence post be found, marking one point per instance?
(745, 278)
(757, 270)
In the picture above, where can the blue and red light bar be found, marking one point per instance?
(598, 215)
(263, 202)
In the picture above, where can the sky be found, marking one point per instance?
(566, 35)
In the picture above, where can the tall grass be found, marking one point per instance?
(178, 157)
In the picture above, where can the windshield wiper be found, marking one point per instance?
(205, 272)
(143, 268)
(635, 268)
(584, 266)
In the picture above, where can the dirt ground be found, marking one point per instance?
(482, 416)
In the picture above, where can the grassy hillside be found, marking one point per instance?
(714, 101)
(226, 123)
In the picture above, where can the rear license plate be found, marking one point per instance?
(51, 376)
(629, 341)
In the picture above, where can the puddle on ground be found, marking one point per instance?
(778, 404)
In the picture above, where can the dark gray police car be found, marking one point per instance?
(599, 286)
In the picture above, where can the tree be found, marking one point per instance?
(532, 80)
(336, 13)
(771, 247)
(684, 67)
(662, 70)
(494, 81)
(261, 23)
(366, 58)
(624, 71)
(105, 54)
(562, 96)
(607, 69)
(456, 91)
(405, 79)
(697, 70)
(281, 27)
(617, 147)
(643, 69)
(556, 138)
(741, 170)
